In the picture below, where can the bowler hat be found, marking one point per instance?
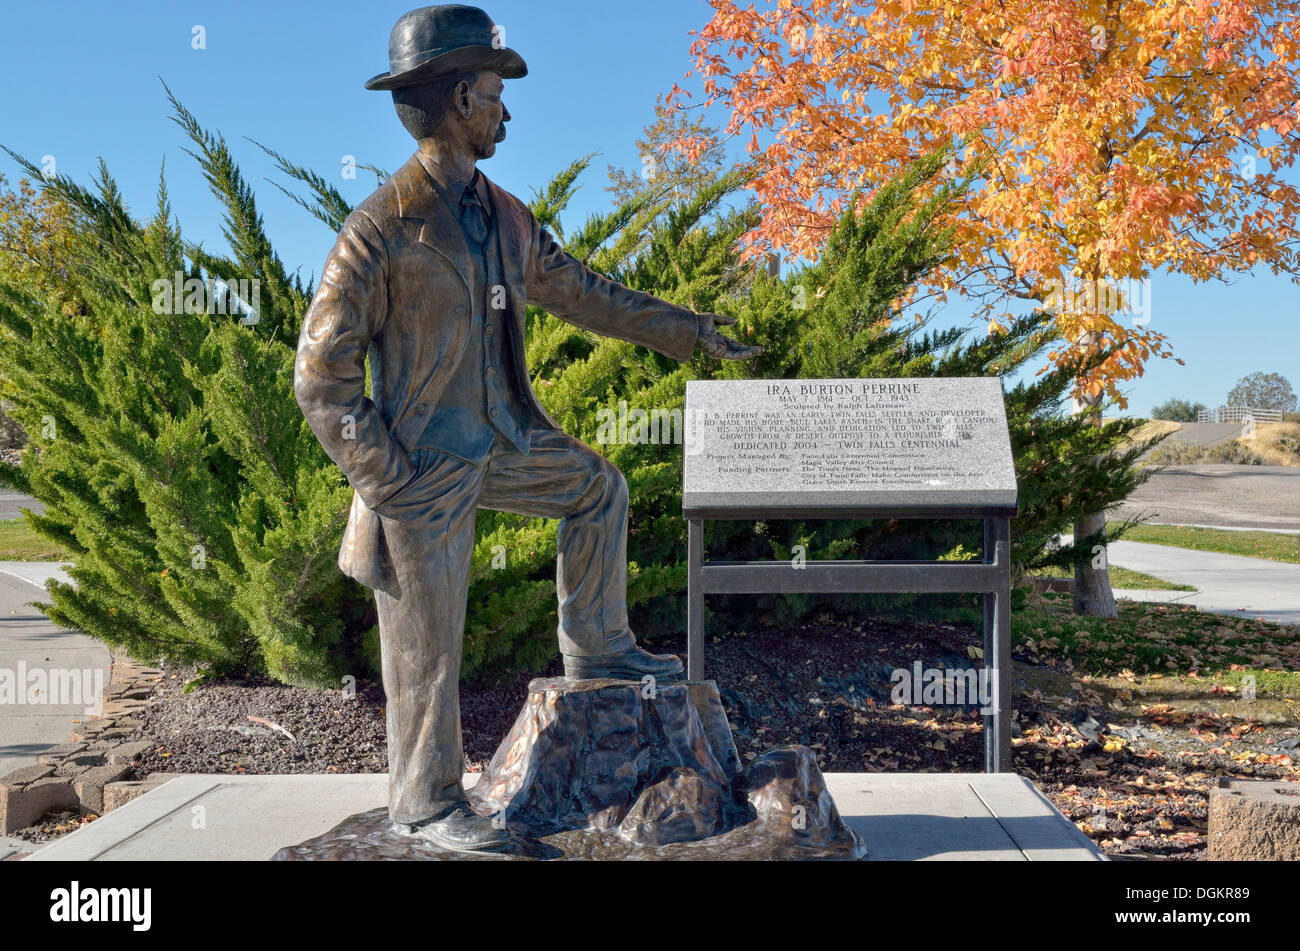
(447, 38)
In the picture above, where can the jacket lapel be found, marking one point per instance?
(509, 232)
(420, 203)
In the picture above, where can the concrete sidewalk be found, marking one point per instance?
(30, 639)
(1226, 584)
(37, 573)
(971, 817)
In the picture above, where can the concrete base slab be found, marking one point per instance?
(901, 816)
(11, 847)
(1254, 820)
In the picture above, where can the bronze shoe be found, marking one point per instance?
(630, 664)
(461, 830)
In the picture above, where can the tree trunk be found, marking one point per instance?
(1092, 594)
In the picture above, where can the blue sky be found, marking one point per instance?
(81, 81)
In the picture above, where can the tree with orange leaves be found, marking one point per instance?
(1116, 139)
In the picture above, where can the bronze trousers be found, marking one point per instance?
(429, 530)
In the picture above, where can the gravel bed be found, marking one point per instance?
(826, 685)
(815, 686)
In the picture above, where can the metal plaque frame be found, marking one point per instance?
(990, 577)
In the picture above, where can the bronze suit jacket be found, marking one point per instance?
(395, 286)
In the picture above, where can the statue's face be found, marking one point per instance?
(486, 125)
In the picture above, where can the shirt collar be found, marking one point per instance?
(452, 188)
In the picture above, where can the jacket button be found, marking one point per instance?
(444, 362)
(421, 409)
(494, 411)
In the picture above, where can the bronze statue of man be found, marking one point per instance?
(430, 276)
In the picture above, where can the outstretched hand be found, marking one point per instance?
(715, 345)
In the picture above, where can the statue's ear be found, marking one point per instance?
(461, 98)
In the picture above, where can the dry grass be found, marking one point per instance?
(1152, 429)
(1156, 427)
(1278, 444)
(1149, 429)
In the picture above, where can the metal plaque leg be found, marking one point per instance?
(997, 646)
(694, 600)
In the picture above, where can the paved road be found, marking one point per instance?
(1204, 434)
(12, 502)
(1265, 497)
(1227, 584)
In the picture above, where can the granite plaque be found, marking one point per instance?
(773, 447)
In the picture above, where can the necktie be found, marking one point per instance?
(473, 216)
